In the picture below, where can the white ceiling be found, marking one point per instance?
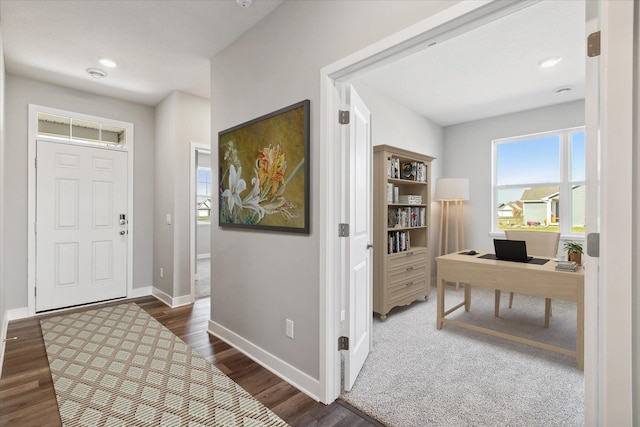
(161, 46)
(493, 70)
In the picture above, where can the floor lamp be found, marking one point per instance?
(451, 191)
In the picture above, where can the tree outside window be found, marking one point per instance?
(539, 182)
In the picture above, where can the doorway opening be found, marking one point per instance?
(345, 72)
(200, 224)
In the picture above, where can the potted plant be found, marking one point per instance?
(574, 251)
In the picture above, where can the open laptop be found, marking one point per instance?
(511, 250)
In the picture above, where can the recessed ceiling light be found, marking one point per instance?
(549, 62)
(96, 73)
(564, 89)
(108, 62)
(244, 3)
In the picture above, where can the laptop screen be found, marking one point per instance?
(511, 250)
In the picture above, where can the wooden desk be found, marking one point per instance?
(523, 278)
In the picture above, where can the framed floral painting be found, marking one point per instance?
(264, 172)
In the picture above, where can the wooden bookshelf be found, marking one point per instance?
(401, 206)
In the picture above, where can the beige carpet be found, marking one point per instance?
(418, 376)
(118, 366)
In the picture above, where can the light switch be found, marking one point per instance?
(168, 219)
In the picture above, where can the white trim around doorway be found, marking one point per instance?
(193, 167)
(448, 23)
(31, 191)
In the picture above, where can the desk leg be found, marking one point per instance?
(496, 309)
(440, 308)
(467, 297)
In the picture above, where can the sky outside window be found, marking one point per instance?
(529, 161)
(577, 156)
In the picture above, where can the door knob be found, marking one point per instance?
(122, 232)
(369, 246)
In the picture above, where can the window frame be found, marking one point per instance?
(565, 184)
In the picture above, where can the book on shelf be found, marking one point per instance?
(421, 172)
(567, 266)
(393, 167)
(406, 217)
(399, 241)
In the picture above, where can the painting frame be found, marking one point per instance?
(264, 172)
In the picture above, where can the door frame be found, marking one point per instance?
(193, 168)
(32, 190)
(598, 358)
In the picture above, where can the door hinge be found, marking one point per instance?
(35, 227)
(343, 343)
(593, 245)
(343, 117)
(593, 44)
(35, 162)
(35, 292)
(343, 230)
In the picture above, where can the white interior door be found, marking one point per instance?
(359, 311)
(81, 246)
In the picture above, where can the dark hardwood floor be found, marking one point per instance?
(27, 397)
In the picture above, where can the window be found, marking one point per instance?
(539, 182)
(203, 194)
(82, 131)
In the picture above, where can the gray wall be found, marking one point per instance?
(263, 278)
(20, 92)
(180, 120)
(3, 299)
(467, 154)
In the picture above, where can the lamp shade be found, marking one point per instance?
(452, 189)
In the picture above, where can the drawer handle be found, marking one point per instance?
(409, 268)
(409, 253)
(409, 284)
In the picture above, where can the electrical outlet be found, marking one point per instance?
(289, 328)
(161, 272)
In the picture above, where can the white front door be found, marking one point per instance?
(358, 306)
(81, 246)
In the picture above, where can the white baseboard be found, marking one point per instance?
(141, 292)
(172, 302)
(17, 313)
(204, 256)
(303, 382)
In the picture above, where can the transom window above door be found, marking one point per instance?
(81, 131)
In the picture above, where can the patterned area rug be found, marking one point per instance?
(118, 366)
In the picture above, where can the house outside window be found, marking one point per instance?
(539, 182)
(203, 194)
